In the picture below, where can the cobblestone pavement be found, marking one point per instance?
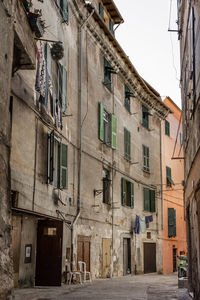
(140, 287)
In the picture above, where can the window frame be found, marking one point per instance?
(127, 193)
(145, 116)
(146, 160)
(127, 102)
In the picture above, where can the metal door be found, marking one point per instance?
(49, 253)
(106, 245)
(83, 250)
(149, 257)
(127, 256)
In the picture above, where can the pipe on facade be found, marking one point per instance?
(161, 177)
(87, 3)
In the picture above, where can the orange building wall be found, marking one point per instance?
(173, 196)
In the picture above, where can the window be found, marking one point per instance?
(57, 162)
(101, 10)
(145, 158)
(127, 144)
(181, 138)
(149, 200)
(127, 97)
(111, 26)
(169, 176)
(107, 127)
(108, 70)
(106, 186)
(62, 87)
(127, 189)
(145, 116)
(171, 222)
(63, 6)
(167, 128)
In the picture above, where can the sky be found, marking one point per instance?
(153, 50)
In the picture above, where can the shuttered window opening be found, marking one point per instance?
(101, 10)
(111, 26)
(106, 186)
(57, 162)
(62, 87)
(127, 144)
(167, 128)
(108, 71)
(171, 222)
(63, 6)
(145, 116)
(127, 97)
(145, 151)
(127, 193)
(169, 180)
(107, 127)
(149, 200)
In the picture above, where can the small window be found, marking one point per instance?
(127, 97)
(149, 200)
(167, 128)
(57, 162)
(181, 138)
(169, 177)
(107, 127)
(111, 26)
(145, 158)
(171, 222)
(106, 186)
(127, 196)
(63, 6)
(127, 144)
(101, 10)
(145, 116)
(108, 71)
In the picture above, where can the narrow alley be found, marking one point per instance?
(140, 287)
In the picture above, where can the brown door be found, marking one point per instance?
(174, 259)
(16, 246)
(83, 250)
(149, 257)
(49, 253)
(127, 256)
(106, 245)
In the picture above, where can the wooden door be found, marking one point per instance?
(149, 257)
(174, 259)
(83, 250)
(16, 246)
(126, 256)
(106, 246)
(49, 253)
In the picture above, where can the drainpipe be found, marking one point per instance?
(161, 177)
(87, 3)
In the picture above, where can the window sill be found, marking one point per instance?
(146, 171)
(127, 206)
(127, 159)
(108, 87)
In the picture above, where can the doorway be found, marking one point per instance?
(149, 257)
(16, 246)
(106, 247)
(83, 250)
(126, 256)
(174, 253)
(49, 253)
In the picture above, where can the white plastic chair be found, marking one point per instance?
(82, 268)
(76, 273)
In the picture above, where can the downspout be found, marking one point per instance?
(161, 177)
(87, 3)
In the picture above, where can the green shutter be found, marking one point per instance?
(114, 131)
(50, 156)
(146, 197)
(152, 201)
(101, 123)
(111, 26)
(62, 87)
(167, 128)
(101, 10)
(132, 194)
(63, 166)
(171, 222)
(64, 10)
(48, 59)
(127, 144)
(123, 190)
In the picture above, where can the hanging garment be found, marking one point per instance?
(137, 225)
(41, 80)
(148, 219)
(142, 224)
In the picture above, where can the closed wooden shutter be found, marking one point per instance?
(152, 200)
(64, 10)
(50, 156)
(62, 87)
(127, 145)
(63, 166)
(146, 198)
(114, 131)
(101, 123)
(132, 194)
(101, 10)
(167, 128)
(123, 190)
(171, 222)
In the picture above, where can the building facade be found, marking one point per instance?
(174, 225)
(188, 21)
(86, 152)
